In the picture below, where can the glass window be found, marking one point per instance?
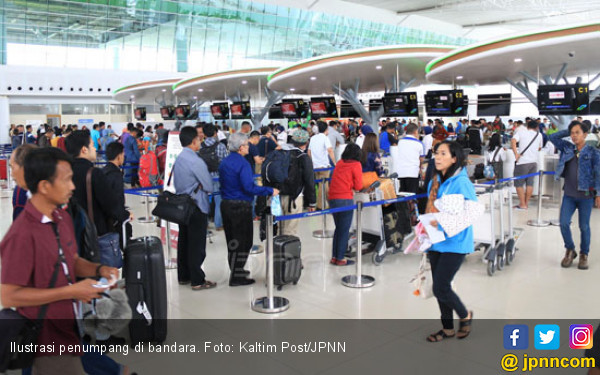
(34, 109)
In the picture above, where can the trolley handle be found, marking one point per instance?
(371, 187)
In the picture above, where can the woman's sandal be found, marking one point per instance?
(439, 336)
(464, 328)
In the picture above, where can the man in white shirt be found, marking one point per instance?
(407, 159)
(321, 152)
(526, 155)
(335, 138)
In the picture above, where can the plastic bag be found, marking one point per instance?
(276, 206)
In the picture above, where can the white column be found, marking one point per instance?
(4, 120)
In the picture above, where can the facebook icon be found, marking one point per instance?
(516, 336)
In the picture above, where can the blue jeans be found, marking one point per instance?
(567, 209)
(343, 221)
(217, 198)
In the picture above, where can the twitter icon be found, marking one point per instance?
(547, 337)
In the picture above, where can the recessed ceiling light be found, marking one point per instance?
(292, 89)
(200, 90)
(195, 97)
(164, 90)
(132, 96)
(459, 77)
(244, 82)
(378, 67)
(313, 78)
(518, 59)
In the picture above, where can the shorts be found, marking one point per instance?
(524, 169)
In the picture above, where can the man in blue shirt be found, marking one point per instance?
(237, 193)
(266, 143)
(191, 176)
(132, 156)
(95, 133)
(387, 138)
(29, 137)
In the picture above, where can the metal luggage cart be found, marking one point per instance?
(494, 231)
(374, 229)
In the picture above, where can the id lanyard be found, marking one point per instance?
(65, 267)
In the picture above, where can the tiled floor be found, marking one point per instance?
(534, 286)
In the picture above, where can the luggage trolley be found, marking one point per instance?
(486, 228)
(380, 236)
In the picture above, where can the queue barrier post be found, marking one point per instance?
(270, 304)
(323, 232)
(169, 264)
(538, 222)
(359, 280)
(149, 218)
(9, 180)
(556, 222)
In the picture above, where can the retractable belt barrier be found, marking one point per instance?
(273, 304)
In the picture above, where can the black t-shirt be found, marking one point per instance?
(252, 152)
(571, 175)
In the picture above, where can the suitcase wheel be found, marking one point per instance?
(280, 287)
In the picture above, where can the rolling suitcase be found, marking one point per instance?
(146, 286)
(287, 264)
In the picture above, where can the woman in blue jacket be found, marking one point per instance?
(579, 164)
(447, 256)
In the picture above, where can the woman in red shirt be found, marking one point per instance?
(347, 177)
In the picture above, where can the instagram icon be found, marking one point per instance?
(581, 336)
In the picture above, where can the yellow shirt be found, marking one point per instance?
(54, 141)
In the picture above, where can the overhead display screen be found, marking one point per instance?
(140, 113)
(240, 111)
(347, 111)
(182, 112)
(220, 111)
(401, 104)
(445, 103)
(375, 104)
(275, 112)
(493, 105)
(167, 113)
(323, 107)
(300, 108)
(563, 99)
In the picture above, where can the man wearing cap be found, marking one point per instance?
(298, 159)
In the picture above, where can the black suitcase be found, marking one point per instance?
(146, 286)
(287, 264)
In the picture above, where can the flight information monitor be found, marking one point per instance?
(275, 112)
(563, 99)
(299, 106)
(167, 113)
(375, 104)
(220, 111)
(493, 105)
(402, 104)
(240, 111)
(323, 107)
(445, 103)
(347, 111)
(140, 113)
(182, 112)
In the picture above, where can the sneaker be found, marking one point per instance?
(344, 262)
(568, 259)
(583, 262)
(519, 208)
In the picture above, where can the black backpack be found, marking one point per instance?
(210, 157)
(281, 170)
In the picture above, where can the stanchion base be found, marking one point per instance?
(538, 223)
(351, 281)
(257, 249)
(555, 222)
(277, 305)
(323, 234)
(147, 220)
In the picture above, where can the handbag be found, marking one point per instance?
(19, 330)
(423, 281)
(175, 208)
(108, 244)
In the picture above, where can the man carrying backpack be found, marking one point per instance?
(300, 182)
(213, 152)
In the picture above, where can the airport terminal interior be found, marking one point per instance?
(284, 62)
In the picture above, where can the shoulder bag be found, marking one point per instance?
(108, 244)
(175, 208)
(527, 148)
(19, 330)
